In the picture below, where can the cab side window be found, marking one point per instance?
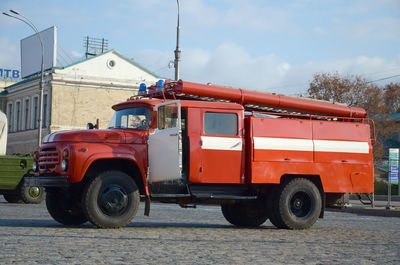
(167, 116)
(216, 123)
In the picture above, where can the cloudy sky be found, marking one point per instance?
(275, 46)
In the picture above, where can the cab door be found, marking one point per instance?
(222, 147)
(165, 145)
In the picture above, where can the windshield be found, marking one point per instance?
(137, 118)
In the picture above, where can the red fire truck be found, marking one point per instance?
(258, 155)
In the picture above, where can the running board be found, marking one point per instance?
(161, 196)
(225, 197)
(223, 192)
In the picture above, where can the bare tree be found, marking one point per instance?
(357, 91)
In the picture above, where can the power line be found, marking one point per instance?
(385, 78)
(65, 53)
(381, 72)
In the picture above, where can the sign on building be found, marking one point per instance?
(7, 74)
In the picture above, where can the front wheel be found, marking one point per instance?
(111, 199)
(64, 209)
(247, 214)
(33, 195)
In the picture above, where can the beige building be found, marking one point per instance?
(73, 96)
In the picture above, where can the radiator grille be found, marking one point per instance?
(48, 159)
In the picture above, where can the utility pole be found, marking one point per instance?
(177, 51)
(41, 84)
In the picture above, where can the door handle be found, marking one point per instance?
(173, 134)
(235, 145)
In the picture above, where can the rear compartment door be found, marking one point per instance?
(165, 145)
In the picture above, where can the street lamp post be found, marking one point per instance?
(32, 26)
(177, 51)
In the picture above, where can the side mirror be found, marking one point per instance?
(90, 126)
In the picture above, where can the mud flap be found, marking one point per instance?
(147, 206)
(321, 215)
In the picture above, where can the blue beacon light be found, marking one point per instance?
(160, 85)
(142, 89)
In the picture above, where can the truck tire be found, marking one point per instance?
(272, 209)
(32, 195)
(12, 198)
(64, 209)
(111, 199)
(246, 214)
(299, 204)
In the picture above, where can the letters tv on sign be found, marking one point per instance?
(31, 52)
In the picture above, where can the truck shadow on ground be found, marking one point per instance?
(35, 223)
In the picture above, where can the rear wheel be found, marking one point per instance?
(247, 214)
(297, 205)
(111, 199)
(64, 209)
(272, 208)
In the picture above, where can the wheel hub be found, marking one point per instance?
(34, 192)
(300, 204)
(113, 200)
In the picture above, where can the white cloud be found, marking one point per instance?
(230, 64)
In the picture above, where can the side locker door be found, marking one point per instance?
(165, 144)
(222, 147)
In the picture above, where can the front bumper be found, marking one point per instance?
(46, 181)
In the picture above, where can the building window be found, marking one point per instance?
(25, 120)
(216, 123)
(9, 116)
(35, 112)
(17, 118)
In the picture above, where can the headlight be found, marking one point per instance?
(64, 165)
(34, 166)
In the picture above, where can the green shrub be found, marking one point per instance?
(381, 188)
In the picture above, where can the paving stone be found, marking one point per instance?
(172, 235)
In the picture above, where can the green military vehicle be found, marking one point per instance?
(12, 172)
(13, 169)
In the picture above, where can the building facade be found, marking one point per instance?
(73, 96)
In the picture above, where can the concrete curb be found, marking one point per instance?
(377, 197)
(377, 211)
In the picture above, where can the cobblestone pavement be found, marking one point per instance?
(172, 235)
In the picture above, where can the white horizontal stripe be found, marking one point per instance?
(283, 144)
(289, 144)
(341, 146)
(221, 143)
